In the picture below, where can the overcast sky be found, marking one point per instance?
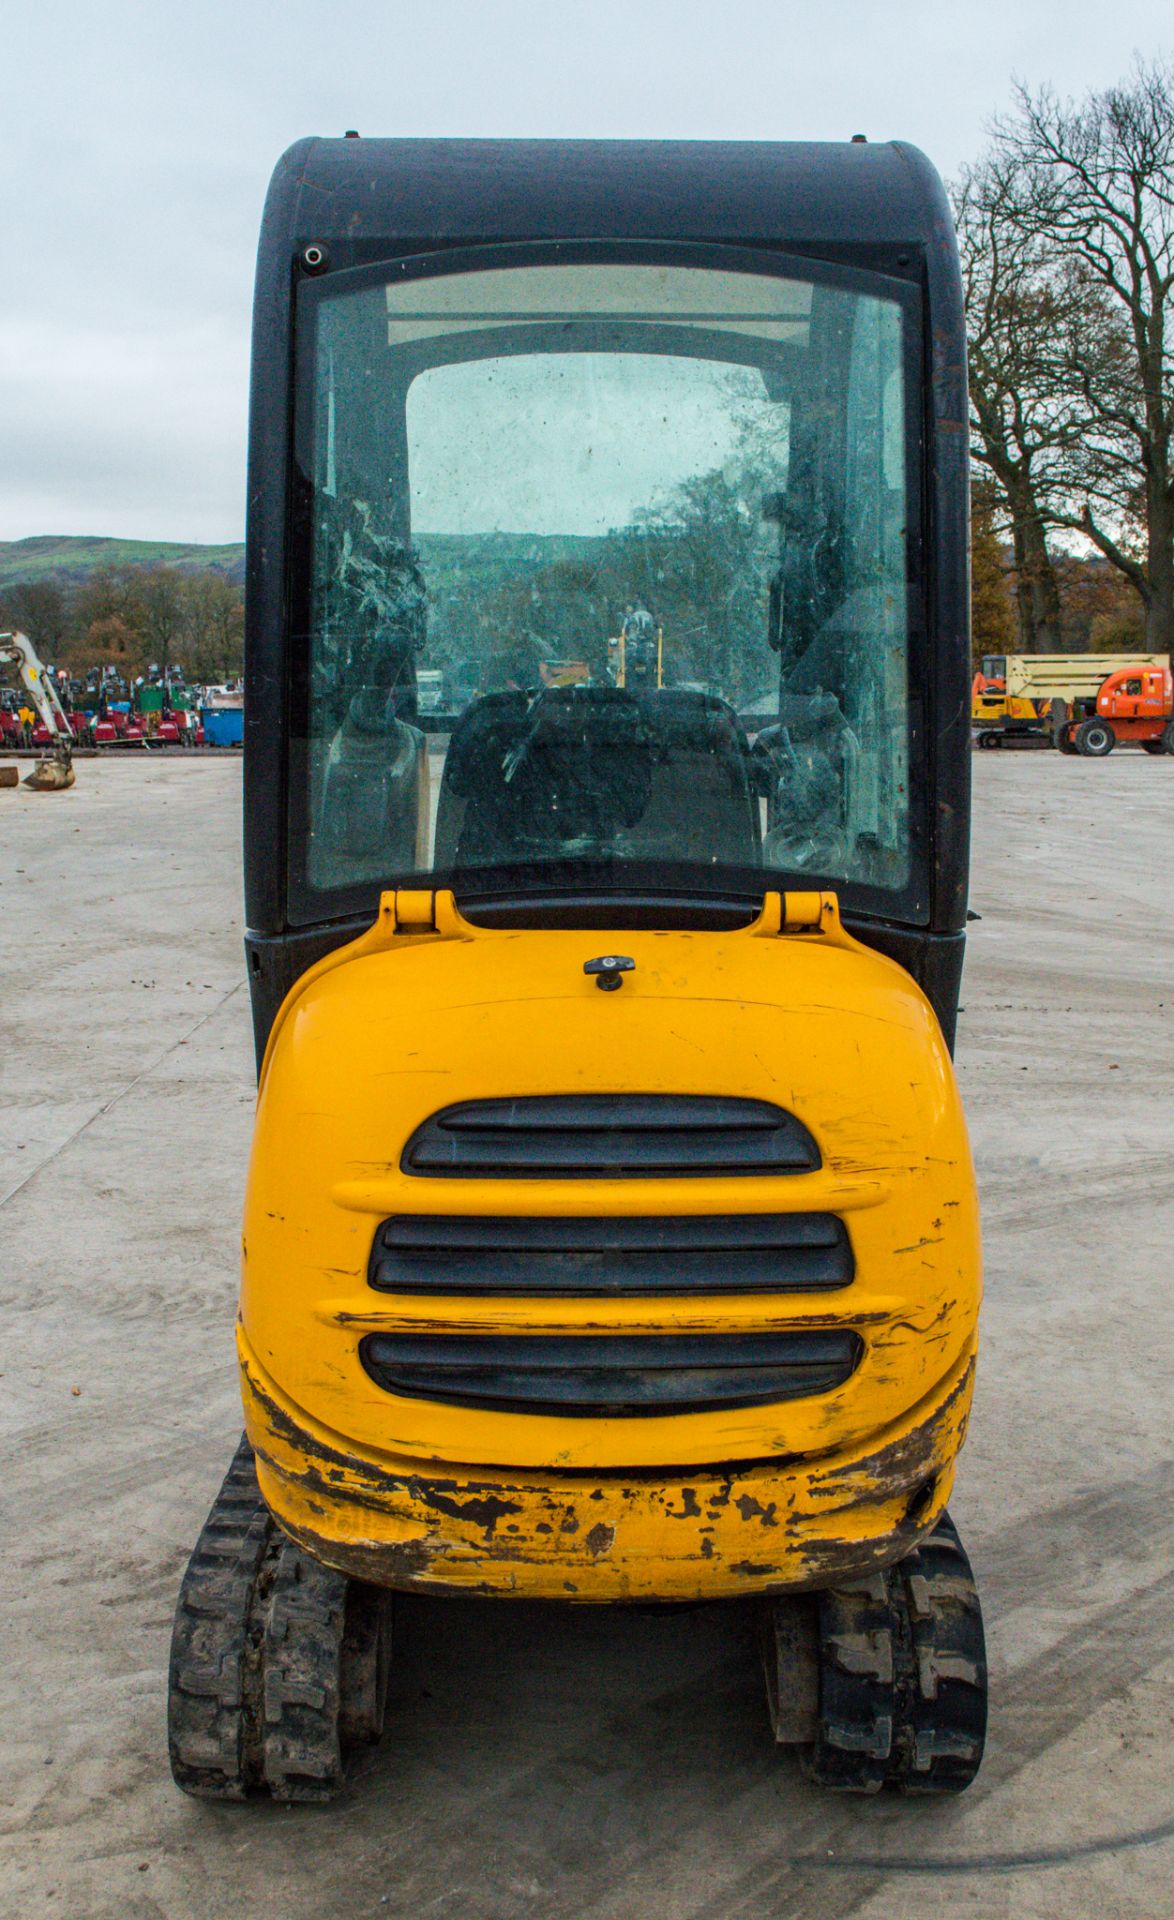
(137, 142)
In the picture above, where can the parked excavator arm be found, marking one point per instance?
(55, 770)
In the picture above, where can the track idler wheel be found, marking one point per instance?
(886, 1676)
(278, 1664)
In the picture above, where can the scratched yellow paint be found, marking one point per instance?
(792, 1010)
(672, 1535)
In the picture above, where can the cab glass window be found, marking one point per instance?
(605, 584)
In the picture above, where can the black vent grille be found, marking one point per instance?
(680, 1254)
(610, 1136)
(612, 1375)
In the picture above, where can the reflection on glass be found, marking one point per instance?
(624, 545)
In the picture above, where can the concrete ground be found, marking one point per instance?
(543, 1762)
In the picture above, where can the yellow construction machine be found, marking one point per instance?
(610, 1232)
(635, 655)
(1045, 696)
(54, 770)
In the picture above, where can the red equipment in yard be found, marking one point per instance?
(119, 729)
(1132, 704)
(42, 737)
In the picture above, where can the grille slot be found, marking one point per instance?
(611, 1375)
(610, 1136)
(680, 1254)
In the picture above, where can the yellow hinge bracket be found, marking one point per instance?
(407, 913)
(413, 909)
(802, 913)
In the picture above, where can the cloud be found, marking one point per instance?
(141, 137)
(135, 430)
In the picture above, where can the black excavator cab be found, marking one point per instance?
(382, 315)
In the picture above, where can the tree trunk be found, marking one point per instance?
(1024, 609)
(1037, 592)
(1042, 583)
(1159, 613)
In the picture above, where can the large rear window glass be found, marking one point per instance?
(604, 584)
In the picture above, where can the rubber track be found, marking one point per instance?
(256, 1651)
(943, 1708)
(903, 1677)
(210, 1714)
(857, 1673)
(301, 1686)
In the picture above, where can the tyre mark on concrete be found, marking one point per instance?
(1003, 1863)
(1099, 1659)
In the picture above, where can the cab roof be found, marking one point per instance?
(828, 194)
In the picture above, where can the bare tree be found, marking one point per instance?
(1092, 184)
(160, 596)
(1022, 420)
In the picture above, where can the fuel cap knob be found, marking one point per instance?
(609, 969)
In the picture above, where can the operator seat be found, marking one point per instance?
(597, 772)
(542, 775)
(703, 805)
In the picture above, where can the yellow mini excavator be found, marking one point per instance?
(683, 1306)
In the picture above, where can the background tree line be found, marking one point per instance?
(1066, 231)
(134, 618)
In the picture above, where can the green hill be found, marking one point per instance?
(69, 558)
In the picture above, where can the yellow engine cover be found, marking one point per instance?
(427, 1010)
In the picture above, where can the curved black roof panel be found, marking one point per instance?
(832, 194)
